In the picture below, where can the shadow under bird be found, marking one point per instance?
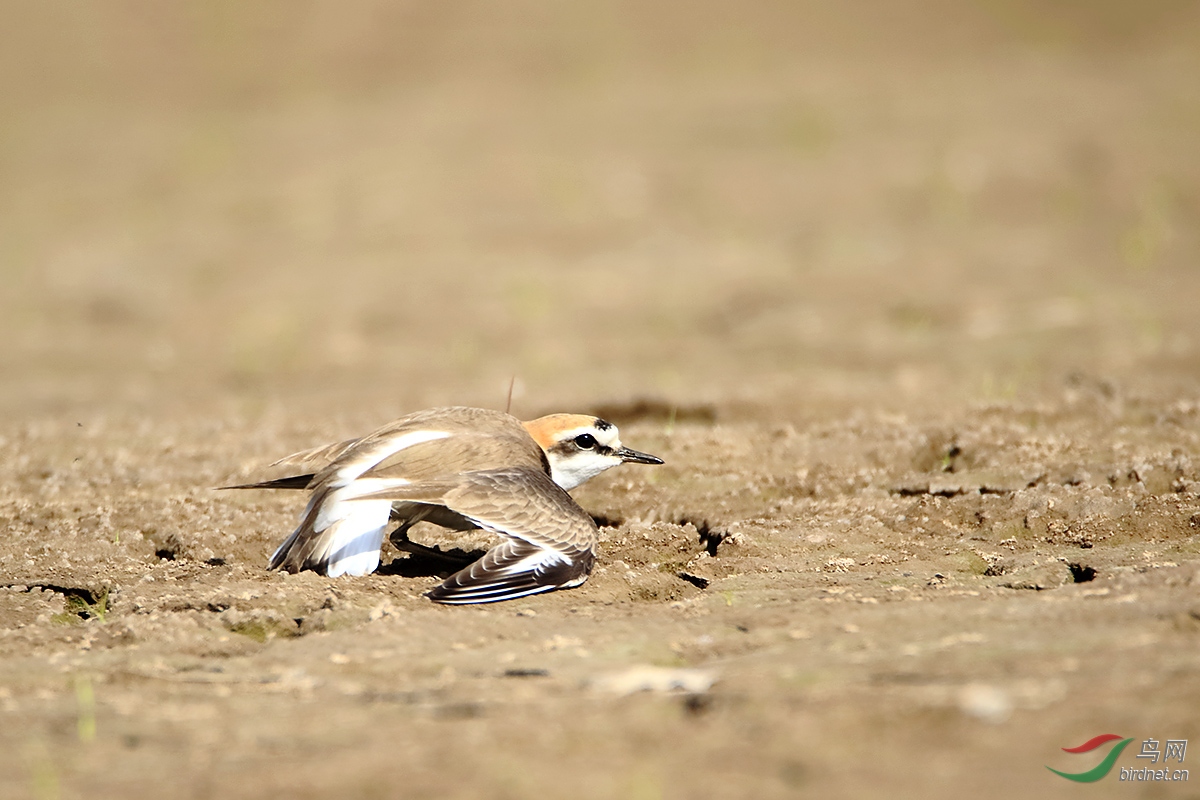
(460, 468)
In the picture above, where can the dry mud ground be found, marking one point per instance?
(904, 295)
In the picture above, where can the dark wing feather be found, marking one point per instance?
(499, 576)
(290, 482)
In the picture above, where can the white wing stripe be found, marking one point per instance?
(365, 486)
(343, 503)
(530, 563)
(385, 448)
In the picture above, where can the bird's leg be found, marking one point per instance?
(431, 552)
(400, 541)
(399, 536)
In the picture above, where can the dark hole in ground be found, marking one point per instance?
(697, 704)
(519, 672)
(165, 554)
(605, 521)
(86, 595)
(1081, 573)
(694, 580)
(912, 491)
(82, 602)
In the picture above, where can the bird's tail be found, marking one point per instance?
(290, 482)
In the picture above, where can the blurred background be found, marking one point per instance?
(770, 207)
(848, 230)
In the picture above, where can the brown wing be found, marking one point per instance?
(341, 529)
(551, 539)
(477, 439)
(315, 459)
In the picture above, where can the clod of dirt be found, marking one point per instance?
(259, 625)
(998, 566)
(606, 521)
(1046, 576)
(1026, 584)
(710, 537)
(988, 703)
(80, 603)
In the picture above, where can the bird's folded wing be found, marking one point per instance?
(315, 459)
(551, 539)
(426, 446)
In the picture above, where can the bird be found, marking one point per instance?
(461, 468)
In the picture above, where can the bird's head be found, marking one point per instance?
(580, 447)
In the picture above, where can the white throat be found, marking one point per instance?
(570, 472)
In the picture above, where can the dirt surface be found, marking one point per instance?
(904, 294)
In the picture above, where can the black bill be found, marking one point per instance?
(633, 456)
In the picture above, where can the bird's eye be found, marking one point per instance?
(585, 441)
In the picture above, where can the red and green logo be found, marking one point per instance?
(1104, 767)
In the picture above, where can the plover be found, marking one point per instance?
(461, 468)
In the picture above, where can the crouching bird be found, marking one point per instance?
(461, 468)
